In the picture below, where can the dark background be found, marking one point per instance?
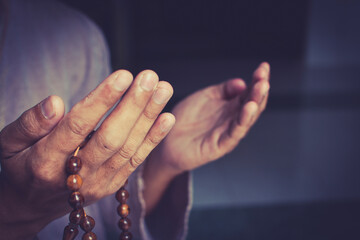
(296, 175)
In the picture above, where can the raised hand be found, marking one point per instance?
(209, 124)
(35, 147)
(212, 121)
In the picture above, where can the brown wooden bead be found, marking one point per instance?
(123, 210)
(122, 195)
(87, 223)
(76, 200)
(89, 236)
(74, 182)
(76, 216)
(70, 232)
(73, 165)
(125, 236)
(124, 224)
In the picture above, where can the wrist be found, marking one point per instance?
(158, 176)
(156, 169)
(161, 162)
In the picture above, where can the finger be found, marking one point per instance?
(247, 114)
(31, 126)
(233, 88)
(158, 132)
(85, 115)
(260, 84)
(156, 104)
(261, 108)
(261, 73)
(263, 103)
(116, 128)
(238, 128)
(258, 92)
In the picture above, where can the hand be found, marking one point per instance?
(212, 121)
(34, 148)
(209, 124)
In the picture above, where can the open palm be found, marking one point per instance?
(212, 121)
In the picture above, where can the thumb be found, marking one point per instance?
(31, 126)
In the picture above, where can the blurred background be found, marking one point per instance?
(296, 174)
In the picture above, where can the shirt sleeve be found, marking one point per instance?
(169, 220)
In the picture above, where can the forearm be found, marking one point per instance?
(157, 178)
(167, 197)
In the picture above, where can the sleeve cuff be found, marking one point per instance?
(170, 218)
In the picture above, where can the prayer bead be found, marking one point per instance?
(76, 200)
(123, 210)
(122, 195)
(124, 224)
(89, 236)
(76, 216)
(73, 165)
(74, 182)
(125, 236)
(70, 232)
(87, 223)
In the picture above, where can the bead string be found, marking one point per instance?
(122, 195)
(78, 216)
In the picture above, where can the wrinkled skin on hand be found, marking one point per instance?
(35, 148)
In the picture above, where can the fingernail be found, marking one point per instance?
(166, 125)
(266, 66)
(161, 96)
(47, 108)
(122, 82)
(147, 82)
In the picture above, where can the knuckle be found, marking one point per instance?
(107, 96)
(105, 144)
(150, 115)
(126, 152)
(135, 161)
(153, 141)
(28, 125)
(78, 126)
(138, 103)
(113, 165)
